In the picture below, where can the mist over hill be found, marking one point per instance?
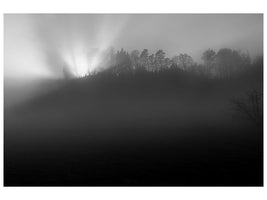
(133, 100)
(170, 127)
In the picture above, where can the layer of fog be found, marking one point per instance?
(42, 48)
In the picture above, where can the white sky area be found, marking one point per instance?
(40, 46)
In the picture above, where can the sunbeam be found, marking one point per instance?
(133, 100)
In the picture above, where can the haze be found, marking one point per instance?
(39, 46)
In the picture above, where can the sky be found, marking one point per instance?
(40, 45)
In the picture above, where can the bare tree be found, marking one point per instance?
(250, 107)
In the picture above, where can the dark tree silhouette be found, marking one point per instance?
(159, 59)
(123, 63)
(209, 61)
(151, 60)
(144, 59)
(134, 56)
(223, 64)
(250, 107)
(185, 61)
(175, 61)
(229, 61)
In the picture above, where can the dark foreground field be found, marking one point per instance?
(134, 131)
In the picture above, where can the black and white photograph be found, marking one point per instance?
(133, 100)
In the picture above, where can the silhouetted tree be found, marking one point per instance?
(123, 63)
(159, 59)
(175, 60)
(144, 59)
(229, 61)
(173, 66)
(185, 61)
(224, 63)
(209, 61)
(193, 68)
(250, 107)
(166, 64)
(151, 62)
(135, 58)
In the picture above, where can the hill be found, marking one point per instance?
(169, 128)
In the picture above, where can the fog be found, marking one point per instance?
(133, 100)
(40, 47)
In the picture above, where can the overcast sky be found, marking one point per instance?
(35, 44)
(193, 34)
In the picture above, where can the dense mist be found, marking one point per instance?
(40, 47)
(133, 100)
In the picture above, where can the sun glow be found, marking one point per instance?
(86, 56)
(59, 46)
(82, 62)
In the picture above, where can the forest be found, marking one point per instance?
(222, 64)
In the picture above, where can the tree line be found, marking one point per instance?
(223, 63)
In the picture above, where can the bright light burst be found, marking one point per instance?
(85, 57)
(80, 61)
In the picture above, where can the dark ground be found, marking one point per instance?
(145, 130)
